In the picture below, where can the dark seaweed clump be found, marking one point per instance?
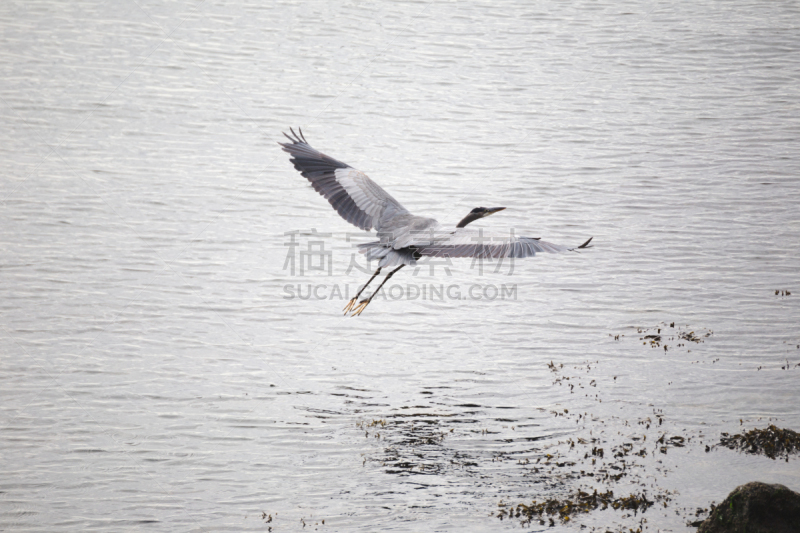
(773, 442)
(578, 502)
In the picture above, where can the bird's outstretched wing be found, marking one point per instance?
(474, 242)
(358, 199)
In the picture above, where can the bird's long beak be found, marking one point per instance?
(493, 210)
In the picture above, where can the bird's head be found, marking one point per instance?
(478, 212)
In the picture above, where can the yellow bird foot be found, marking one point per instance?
(361, 306)
(349, 305)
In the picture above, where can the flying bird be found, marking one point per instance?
(403, 237)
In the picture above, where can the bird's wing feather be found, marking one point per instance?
(358, 199)
(475, 242)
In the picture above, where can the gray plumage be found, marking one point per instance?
(358, 199)
(403, 237)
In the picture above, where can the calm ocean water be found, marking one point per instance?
(172, 352)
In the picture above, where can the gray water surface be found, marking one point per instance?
(156, 376)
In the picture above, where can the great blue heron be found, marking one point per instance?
(403, 237)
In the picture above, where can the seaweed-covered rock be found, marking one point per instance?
(772, 442)
(756, 508)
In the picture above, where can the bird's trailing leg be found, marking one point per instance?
(364, 303)
(353, 301)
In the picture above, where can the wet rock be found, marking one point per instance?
(756, 508)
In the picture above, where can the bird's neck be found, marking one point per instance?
(467, 219)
